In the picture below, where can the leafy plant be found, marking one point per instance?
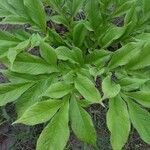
(56, 86)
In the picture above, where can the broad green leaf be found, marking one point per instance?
(35, 10)
(131, 83)
(81, 123)
(87, 89)
(14, 12)
(26, 63)
(131, 20)
(40, 112)
(123, 8)
(4, 35)
(14, 51)
(7, 41)
(58, 90)
(55, 38)
(22, 77)
(13, 19)
(140, 119)
(141, 60)
(113, 34)
(74, 55)
(60, 20)
(142, 97)
(11, 92)
(146, 7)
(78, 39)
(48, 53)
(76, 5)
(31, 96)
(110, 88)
(11, 55)
(94, 15)
(123, 55)
(97, 57)
(56, 133)
(118, 122)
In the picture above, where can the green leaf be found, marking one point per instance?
(142, 97)
(97, 57)
(31, 96)
(56, 133)
(58, 19)
(7, 41)
(110, 88)
(125, 7)
(113, 34)
(33, 8)
(131, 83)
(140, 119)
(14, 12)
(58, 90)
(87, 89)
(21, 77)
(74, 55)
(141, 60)
(76, 5)
(94, 15)
(54, 37)
(11, 92)
(14, 51)
(123, 55)
(78, 39)
(146, 7)
(48, 53)
(118, 122)
(26, 63)
(4, 35)
(40, 112)
(131, 20)
(81, 123)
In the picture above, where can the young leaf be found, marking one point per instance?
(58, 90)
(140, 119)
(118, 122)
(40, 112)
(110, 88)
(81, 123)
(48, 53)
(87, 89)
(56, 133)
(11, 92)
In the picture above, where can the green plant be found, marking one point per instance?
(55, 87)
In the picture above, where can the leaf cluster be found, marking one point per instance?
(108, 39)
